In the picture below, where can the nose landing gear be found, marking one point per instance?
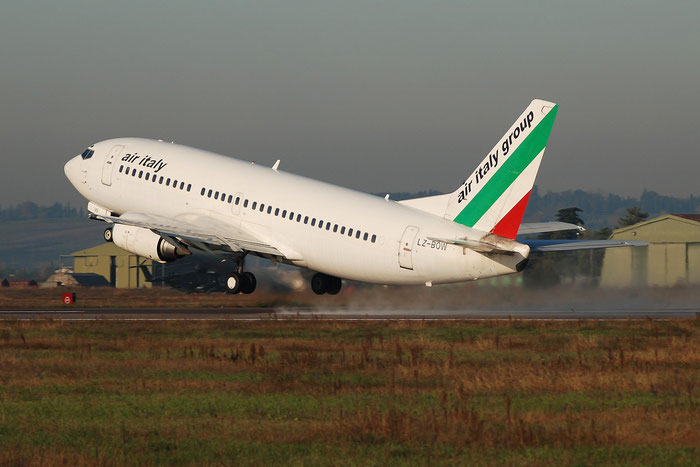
(323, 283)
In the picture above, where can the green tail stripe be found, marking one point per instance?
(511, 169)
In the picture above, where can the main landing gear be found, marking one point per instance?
(323, 283)
(244, 282)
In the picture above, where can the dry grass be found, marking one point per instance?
(474, 295)
(521, 392)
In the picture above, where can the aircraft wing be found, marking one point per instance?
(203, 231)
(541, 227)
(571, 245)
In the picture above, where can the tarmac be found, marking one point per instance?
(165, 314)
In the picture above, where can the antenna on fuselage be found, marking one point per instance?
(276, 165)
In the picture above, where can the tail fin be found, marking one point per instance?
(494, 196)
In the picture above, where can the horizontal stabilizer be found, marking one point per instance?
(541, 227)
(488, 244)
(572, 245)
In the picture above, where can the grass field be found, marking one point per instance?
(349, 393)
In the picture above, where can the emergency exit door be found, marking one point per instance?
(406, 247)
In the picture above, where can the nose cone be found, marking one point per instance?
(71, 169)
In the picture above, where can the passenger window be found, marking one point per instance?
(277, 211)
(298, 217)
(306, 219)
(262, 207)
(189, 186)
(342, 230)
(238, 200)
(133, 173)
(255, 205)
(223, 198)
(364, 237)
(154, 178)
(374, 238)
(245, 204)
(313, 222)
(174, 183)
(269, 209)
(320, 224)
(121, 167)
(127, 171)
(357, 234)
(335, 228)
(209, 193)
(203, 191)
(182, 185)
(148, 176)
(230, 197)
(291, 215)
(284, 214)
(216, 195)
(328, 226)
(350, 232)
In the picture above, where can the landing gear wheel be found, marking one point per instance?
(108, 235)
(334, 285)
(319, 283)
(233, 283)
(248, 282)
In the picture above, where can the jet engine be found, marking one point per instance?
(144, 242)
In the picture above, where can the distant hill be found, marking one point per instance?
(36, 243)
(599, 210)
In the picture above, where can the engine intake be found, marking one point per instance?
(144, 242)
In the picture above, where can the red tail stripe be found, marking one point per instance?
(509, 225)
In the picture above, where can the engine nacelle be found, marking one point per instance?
(144, 242)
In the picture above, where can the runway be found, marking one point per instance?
(162, 314)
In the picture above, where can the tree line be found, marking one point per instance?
(29, 210)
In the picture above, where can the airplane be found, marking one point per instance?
(164, 201)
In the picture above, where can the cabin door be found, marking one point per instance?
(406, 247)
(109, 164)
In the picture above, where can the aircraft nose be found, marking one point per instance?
(72, 170)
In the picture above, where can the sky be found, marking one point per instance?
(376, 96)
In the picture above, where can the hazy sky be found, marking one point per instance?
(396, 96)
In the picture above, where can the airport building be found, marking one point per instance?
(119, 267)
(672, 258)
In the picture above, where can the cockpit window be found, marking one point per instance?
(87, 154)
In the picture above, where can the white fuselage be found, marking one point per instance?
(393, 247)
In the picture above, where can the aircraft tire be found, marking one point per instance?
(319, 283)
(248, 282)
(233, 283)
(334, 285)
(107, 235)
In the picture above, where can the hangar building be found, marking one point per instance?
(119, 267)
(673, 258)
